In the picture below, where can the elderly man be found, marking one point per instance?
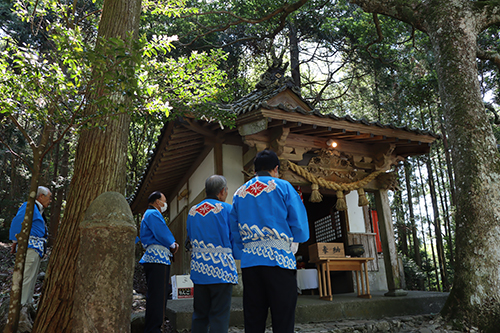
(160, 246)
(267, 217)
(213, 270)
(37, 242)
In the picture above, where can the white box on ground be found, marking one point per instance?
(182, 287)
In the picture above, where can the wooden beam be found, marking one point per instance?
(182, 134)
(195, 127)
(344, 124)
(278, 139)
(195, 142)
(169, 172)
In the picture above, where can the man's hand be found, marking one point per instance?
(174, 247)
(13, 248)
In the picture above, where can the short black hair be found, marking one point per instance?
(214, 184)
(266, 160)
(154, 196)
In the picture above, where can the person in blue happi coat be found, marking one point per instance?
(160, 246)
(267, 217)
(37, 242)
(213, 269)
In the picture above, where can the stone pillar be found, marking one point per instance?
(105, 266)
(389, 249)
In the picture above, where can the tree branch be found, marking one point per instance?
(23, 131)
(98, 11)
(328, 82)
(378, 40)
(487, 13)
(494, 57)
(14, 153)
(284, 10)
(408, 11)
(490, 107)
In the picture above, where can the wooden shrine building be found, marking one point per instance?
(334, 161)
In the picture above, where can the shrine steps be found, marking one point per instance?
(311, 309)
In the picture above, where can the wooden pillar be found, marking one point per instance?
(391, 261)
(218, 158)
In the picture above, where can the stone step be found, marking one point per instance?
(311, 309)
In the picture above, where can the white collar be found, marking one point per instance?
(40, 207)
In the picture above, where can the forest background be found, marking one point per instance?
(345, 59)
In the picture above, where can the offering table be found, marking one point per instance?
(358, 265)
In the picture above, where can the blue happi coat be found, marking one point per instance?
(38, 234)
(210, 235)
(267, 216)
(156, 238)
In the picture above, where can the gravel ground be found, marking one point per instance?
(416, 324)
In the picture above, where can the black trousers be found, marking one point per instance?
(157, 279)
(212, 307)
(267, 288)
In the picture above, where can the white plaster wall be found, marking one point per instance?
(184, 201)
(173, 209)
(232, 165)
(197, 180)
(355, 213)
(377, 279)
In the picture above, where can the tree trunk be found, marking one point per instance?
(422, 227)
(294, 54)
(59, 194)
(39, 153)
(416, 243)
(438, 284)
(442, 194)
(475, 297)
(100, 166)
(444, 207)
(437, 227)
(22, 247)
(13, 177)
(55, 210)
(449, 214)
(400, 224)
(449, 166)
(453, 27)
(4, 175)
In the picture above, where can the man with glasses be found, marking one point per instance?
(37, 242)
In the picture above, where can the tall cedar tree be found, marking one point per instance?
(453, 27)
(100, 166)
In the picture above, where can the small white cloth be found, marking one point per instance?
(307, 279)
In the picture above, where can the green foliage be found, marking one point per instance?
(63, 77)
(413, 274)
(489, 40)
(193, 79)
(385, 75)
(56, 86)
